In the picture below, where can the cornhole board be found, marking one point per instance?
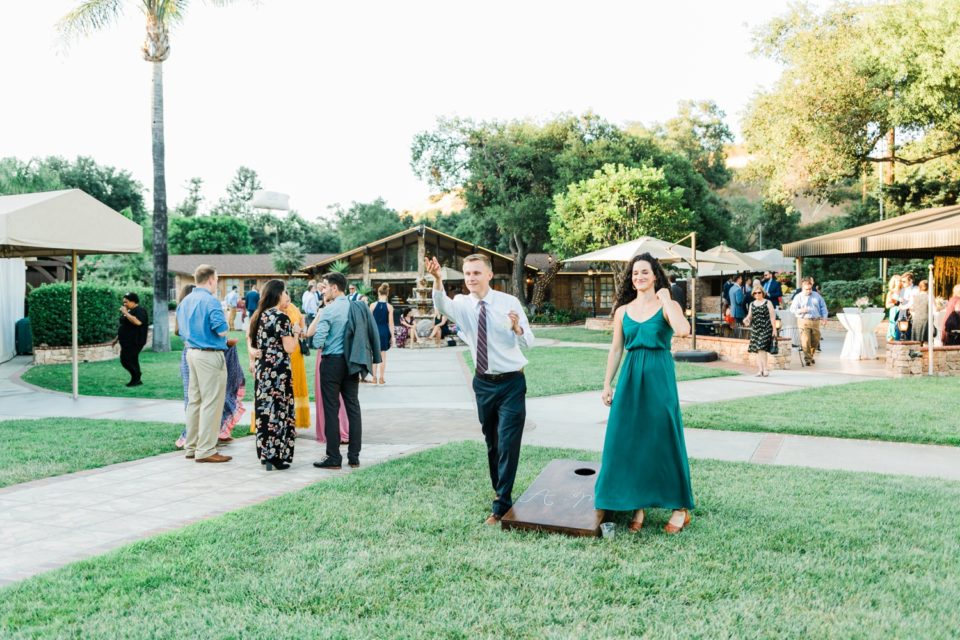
(559, 500)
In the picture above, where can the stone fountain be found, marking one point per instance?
(422, 303)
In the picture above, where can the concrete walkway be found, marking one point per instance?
(427, 401)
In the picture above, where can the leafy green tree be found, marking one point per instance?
(616, 205)
(240, 192)
(479, 230)
(510, 172)
(288, 257)
(160, 15)
(209, 234)
(862, 84)
(699, 132)
(365, 222)
(116, 188)
(191, 204)
(763, 225)
(33, 176)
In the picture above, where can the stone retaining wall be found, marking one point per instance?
(85, 353)
(598, 324)
(735, 350)
(900, 363)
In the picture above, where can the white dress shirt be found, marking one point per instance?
(503, 345)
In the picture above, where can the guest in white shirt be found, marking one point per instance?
(495, 327)
(310, 302)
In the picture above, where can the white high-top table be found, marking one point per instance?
(860, 342)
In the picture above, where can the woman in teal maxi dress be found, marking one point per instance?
(644, 460)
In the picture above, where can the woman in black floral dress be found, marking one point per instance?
(272, 339)
(760, 315)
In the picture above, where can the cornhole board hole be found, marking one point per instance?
(559, 500)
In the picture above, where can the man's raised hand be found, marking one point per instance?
(432, 266)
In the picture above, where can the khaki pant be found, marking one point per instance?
(809, 338)
(231, 316)
(208, 386)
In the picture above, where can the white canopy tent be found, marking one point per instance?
(69, 222)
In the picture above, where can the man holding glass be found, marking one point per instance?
(495, 327)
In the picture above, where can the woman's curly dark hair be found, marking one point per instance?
(628, 293)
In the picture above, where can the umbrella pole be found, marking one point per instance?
(73, 324)
(931, 291)
(693, 291)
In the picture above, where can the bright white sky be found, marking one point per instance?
(323, 99)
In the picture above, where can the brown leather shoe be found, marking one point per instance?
(190, 456)
(672, 529)
(215, 458)
(637, 523)
(492, 519)
(224, 440)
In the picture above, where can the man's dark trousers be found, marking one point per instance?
(130, 360)
(334, 383)
(502, 409)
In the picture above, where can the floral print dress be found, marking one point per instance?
(275, 414)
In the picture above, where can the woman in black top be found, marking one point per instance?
(132, 336)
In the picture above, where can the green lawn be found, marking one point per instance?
(575, 334)
(556, 370)
(922, 410)
(54, 446)
(161, 375)
(398, 551)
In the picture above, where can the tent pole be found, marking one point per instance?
(73, 323)
(931, 290)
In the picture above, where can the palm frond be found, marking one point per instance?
(89, 16)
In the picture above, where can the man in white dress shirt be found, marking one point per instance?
(495, 327)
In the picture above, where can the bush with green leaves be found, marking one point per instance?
(98, 312)
(549, 314)
(844, 293)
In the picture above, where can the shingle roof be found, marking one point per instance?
(234, 264)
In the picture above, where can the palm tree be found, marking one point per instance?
(161, 15)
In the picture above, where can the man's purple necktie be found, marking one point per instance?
(482, 339)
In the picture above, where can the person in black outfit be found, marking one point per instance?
(678, 292)
(132, 336)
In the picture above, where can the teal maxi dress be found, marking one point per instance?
(644, 454)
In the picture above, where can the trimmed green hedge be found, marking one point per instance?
(98, 312)
(844, 293)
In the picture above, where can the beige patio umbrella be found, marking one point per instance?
(729, 257)
(659, 249)
(56, 223)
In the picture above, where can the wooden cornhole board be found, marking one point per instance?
(560, 500)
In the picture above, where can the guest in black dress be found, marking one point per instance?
(272, 339)
(132, 336)
(760, 316)
(383, 315)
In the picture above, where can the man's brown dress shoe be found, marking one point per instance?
(215, 458)
(224, 440)
(190, 456)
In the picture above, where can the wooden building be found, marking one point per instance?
(241, 270)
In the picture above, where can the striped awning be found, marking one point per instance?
(921, 234)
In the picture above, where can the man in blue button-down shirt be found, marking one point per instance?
(811, 312)
(203, 327)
